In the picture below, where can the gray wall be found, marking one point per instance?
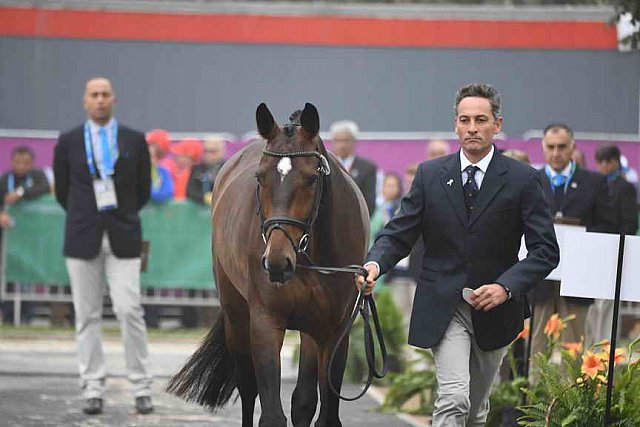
(211, 87)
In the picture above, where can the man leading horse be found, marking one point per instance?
(471, 209)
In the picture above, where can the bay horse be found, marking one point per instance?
(278, 204)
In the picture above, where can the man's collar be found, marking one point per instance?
(565, 172)
(482, 164)
(95, 125)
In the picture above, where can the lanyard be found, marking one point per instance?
(106, 169)
(572, 170)
(11, 182)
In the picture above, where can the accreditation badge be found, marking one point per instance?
(105, 192)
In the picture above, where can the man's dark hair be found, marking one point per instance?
(481, 90)
(558, 126)
(22, 149)
(608, 152)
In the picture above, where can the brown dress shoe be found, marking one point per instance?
(144, 405)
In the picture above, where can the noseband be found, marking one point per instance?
(277, 222)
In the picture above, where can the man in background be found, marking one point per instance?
(203, 175)
(23, 182)
(437, 148)
(571, 192)
(623, 196)
(102, 180)
(344, 135)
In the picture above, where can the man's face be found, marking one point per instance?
(21, 164)
(213, 151)
(343, 144)
(557, 147)
(476, 126)
(607, 166)
(99, 100)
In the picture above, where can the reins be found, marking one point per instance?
(366, 307)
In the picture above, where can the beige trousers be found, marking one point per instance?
(123, 278)
(465, 374)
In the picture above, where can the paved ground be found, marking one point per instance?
(39, 387)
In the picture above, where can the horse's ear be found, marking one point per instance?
(310, 120)
(265, 121)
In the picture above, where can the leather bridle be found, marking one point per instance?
(267, 226)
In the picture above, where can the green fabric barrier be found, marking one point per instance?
(179, 232)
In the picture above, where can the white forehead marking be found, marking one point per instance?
(284, 167)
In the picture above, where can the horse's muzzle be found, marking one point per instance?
(278, 272)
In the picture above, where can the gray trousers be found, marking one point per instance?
(123, 278)
(465, 374)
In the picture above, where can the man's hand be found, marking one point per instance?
(5, 220)
(11, 198)
(371, 278)
(487, 297)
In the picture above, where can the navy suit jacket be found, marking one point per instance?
(462, 251)
(84, 224)
(364, 172)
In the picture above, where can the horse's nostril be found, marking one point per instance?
(289, 266)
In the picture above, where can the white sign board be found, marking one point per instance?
(561, 230)
(590, 264)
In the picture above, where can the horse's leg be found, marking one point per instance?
(305, 395)
(329, 402)
(266, 342)
(238, 342)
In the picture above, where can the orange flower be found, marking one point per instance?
(524, 334)
(591, 364)
(604, 355)
(574, 348)
(555, 325)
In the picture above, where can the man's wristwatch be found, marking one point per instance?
(20, 191)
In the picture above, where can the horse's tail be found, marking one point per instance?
(208, 376)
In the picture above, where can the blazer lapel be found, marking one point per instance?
(492, 182)
(121, 149)
(573, 189)
(451, 179)
(546, 188)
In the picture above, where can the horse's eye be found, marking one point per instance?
(312, 180)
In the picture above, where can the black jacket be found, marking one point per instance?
(469, 252)
(624, 197)
(35, 184)
(85, 225)
(201, 180)
(586, 199)
(364, 173)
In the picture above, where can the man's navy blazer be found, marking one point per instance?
(85, 225)
(462, 251)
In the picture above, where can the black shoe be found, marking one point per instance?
(92, 406)
(144, 405)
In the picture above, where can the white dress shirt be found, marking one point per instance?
(482, 166)
(96, 143)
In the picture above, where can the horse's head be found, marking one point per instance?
(290, 180)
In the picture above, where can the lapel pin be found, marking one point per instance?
(574, 185)
(450, 182)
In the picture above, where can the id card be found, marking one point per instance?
(105, 192)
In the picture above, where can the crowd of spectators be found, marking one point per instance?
(187, 168)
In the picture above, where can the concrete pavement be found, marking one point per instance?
(39, 387)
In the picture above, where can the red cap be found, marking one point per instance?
(160, 138)
(189, 147)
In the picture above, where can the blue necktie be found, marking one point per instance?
(107, 165)
(558, 182)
